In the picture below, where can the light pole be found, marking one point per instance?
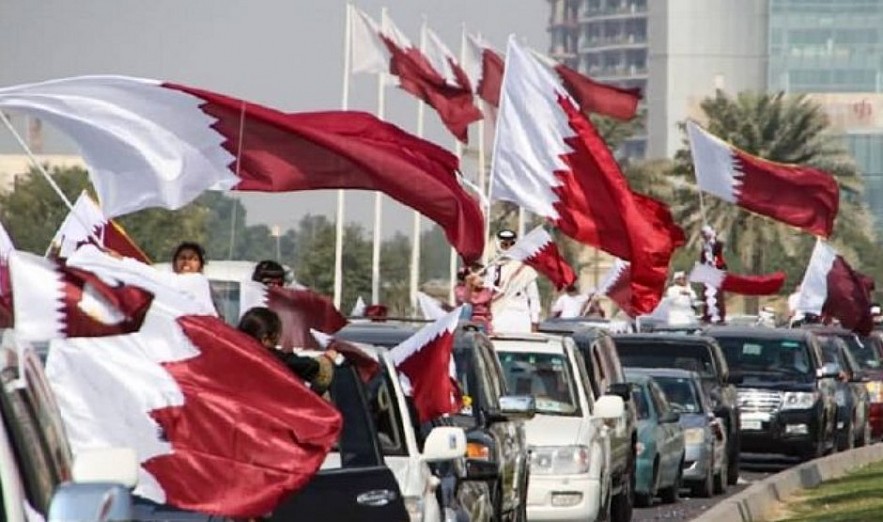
(276, 232)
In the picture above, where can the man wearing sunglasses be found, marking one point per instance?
(516, 303)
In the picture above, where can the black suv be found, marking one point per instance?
(491, 434)
(786, 393)
(702, 355)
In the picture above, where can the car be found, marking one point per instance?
(605, 374)
(493, 419)
(573, 324)
(659, 468)
(39, 479)
(569, 437)
(851, 395)
(705, 467)
(786, 392)
(703, 355)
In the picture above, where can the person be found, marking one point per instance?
(264, 325)
(569, 304)
(188, 258)
(593, 307)
(516, 303)
(269, 272)
(680, 300)
(767, 317)
(712, 254)
(188, 263)
(474, 296)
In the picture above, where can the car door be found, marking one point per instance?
(362, 487)
(669, 456)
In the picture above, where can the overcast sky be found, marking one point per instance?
(284, 53)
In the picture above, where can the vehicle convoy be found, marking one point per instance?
(702, 354)
(569, 437)
(853, 406)
(786, 392)
(493, 419)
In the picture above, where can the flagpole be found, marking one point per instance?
(522, 221)
(378, 196)
(458, 150)
(238, 163)
(503, 103)
(344, 105)
(415, 241)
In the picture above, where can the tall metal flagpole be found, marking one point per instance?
(415, 241)
(458, 150)
(344, 105)
(378, 196)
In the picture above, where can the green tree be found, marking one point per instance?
(395, 263)
(786, 129)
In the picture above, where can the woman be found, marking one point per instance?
(188, 258)
(264, 325)
(474, 295)
(188, 261)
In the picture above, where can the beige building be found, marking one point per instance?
(12, 165)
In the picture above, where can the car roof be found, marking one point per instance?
(633, 375)
(794, 334)
(662, 338)
(532, 343)
(827, 330)
(665, 372)
(377, 333)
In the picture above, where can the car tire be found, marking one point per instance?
(622, 505)
(705, 488)
(720, 479)
(671, 494)
(733, 461)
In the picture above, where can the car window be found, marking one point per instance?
(692, 357)
(660, 402)
(764, 357)
(546, 376)
(356, 445)
(681, 394)
(642, 407)
(386, 415)
(495, 373)
(469, 369)
(612, 356)
(865, 350)
(600, 371)
(584, 377)
(225, 295)
(49, 418)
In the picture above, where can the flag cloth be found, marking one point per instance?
(425, 359)
(365, 363)
(538, 250)
(832, 288)
(801, 196)
(766, 284)
(299, 310)
(433, 75)
(550, 160)
(617, 285)
(6, 250)
(206, 442)
(51, 300)
(153, 144)
(72, 233)
(358, 308)
(599, 98)
(484, 67)
(430, 307)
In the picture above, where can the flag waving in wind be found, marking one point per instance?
(484, 66)
(550, 160)
(72, 233)
(538, 250)
(425, 359)
(801, 196)
(154, 144)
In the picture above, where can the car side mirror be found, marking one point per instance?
(102, 502)
(621, 389)
(444, 443)
(670, 417)
(609, 407)
(518, 406)
(481, 470)
(828, 370)
(107, 466)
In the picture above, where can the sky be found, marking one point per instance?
(287, 54)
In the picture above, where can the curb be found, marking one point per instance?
(759, 500)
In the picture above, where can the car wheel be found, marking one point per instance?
(622, 505)
(733, 462)
(671, 494)
(705, 488)
(720, 480)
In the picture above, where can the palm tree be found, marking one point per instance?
(781, 128)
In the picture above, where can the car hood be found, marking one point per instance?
(774, 382)
(556, 430)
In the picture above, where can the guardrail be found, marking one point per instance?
(760, 500)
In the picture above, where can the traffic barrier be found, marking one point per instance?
(760, 500)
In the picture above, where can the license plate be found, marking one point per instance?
(751, 425)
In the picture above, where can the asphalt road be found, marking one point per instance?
(754, 468)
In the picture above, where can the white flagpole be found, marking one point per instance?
(415, 241)
(338, 239)
(378, 196)
(483, 184)
(522, 221)
(458, 150)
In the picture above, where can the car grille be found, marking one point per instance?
(759, 401)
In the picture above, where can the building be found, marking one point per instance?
(12, 165)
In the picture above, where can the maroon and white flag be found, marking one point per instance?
(432, 74)
(801, 196)
(299, 309)
(366, 364)
(219, 425)
(832, 288)
(766, 284)
(599, 98)
(52, 300)
(538, 250)
(72, 234)
(484, 66)
(154, 144)
(616, 284)
(426, 360)
(6, 250)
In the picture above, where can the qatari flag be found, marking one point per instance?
(484, 66)
(538, 250)
(801, 196)
(616, 284)
(832, 288)
(156, 144)
(599, 98)
(766, 284)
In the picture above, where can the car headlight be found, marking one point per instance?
(694, 435)
(414, 506)
(559, 460)
(875, 390)
(799, 400)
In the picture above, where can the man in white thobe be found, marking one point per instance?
(516, 304)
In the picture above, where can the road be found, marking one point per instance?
(754, 468)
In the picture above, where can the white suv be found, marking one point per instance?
(568, 437)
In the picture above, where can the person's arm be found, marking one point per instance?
(533, 298)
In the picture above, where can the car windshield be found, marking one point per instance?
(864, 350)
(546, 376)
(780, 357)
(681, 394)
(692, 357)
